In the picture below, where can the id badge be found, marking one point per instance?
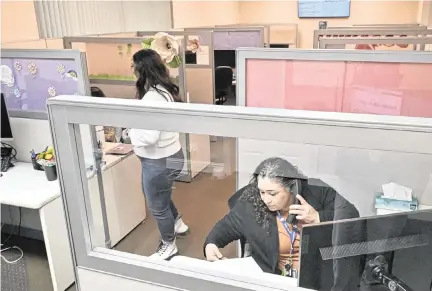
(290, 271)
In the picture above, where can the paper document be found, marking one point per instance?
(241, 265)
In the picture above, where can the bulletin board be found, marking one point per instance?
(30, 77)
(323, 8)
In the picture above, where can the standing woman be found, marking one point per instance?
(160, 152)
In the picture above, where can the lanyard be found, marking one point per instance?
(292, 234)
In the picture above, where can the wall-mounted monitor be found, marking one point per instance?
(323, 8)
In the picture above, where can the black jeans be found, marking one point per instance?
(157, 178)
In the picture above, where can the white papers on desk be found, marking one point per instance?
(397, 192)
(243, 265)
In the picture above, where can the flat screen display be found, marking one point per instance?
(6, 131)
(324, 8)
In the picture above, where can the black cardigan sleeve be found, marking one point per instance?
(336, 207)
(228, 229)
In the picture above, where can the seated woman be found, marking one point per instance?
(112, 134)
(260, 215)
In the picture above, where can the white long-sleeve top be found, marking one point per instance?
(155, 144)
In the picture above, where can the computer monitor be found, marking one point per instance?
(225, 58)
(6, 130)
(355, 251)
(279, 45)
(190, 58)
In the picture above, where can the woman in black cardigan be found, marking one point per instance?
(260, 215)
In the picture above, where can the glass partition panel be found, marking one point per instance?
(119, 65)
(388, 88)
(240, 202)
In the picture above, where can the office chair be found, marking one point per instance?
(223, 84)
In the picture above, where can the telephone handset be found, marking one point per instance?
(296, 189)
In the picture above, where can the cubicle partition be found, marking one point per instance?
(274, 33)
(361, 82)
(354, 152)
(371, 32)
(109, 67)
(265, 26)
(285, 34)
(378, 26)
(28, 79)
(376, 43)
(231, 38)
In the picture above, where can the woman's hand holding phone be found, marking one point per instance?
(304, 212)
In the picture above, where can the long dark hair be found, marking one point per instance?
(96, 92)
(278, 170)
(151, 72)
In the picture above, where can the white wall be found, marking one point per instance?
(29, 134)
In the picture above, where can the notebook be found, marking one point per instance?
(121, 149)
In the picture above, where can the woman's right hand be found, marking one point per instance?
(212, 253)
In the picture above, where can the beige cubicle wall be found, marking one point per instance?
(377, 43)
(284, 34)
(242, 25)
(274, 33)
(379, 26)
(372, 32)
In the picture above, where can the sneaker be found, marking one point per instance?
(180, 228)
(165, 250)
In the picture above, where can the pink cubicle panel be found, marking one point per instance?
(356, 87)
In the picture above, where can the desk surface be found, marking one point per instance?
(23, 186)
(236, 269)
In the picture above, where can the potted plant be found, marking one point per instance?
(47, 160)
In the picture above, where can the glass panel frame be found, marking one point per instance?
(67, 112)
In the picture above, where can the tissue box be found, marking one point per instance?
(393, 204)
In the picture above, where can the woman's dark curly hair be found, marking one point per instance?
(278, 170)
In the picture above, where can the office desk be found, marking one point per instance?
(22, 186)
(278, 282)
(124, 199)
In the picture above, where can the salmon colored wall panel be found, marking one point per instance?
(18, 21)
(354, 87)
(266, 81)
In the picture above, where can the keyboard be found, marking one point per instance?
(6, 163)
(6, 158)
